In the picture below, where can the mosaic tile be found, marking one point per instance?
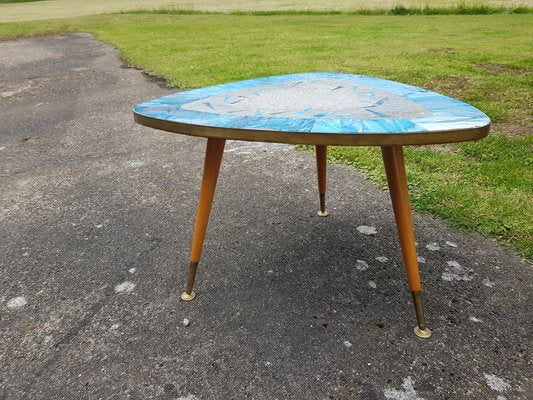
(318, 103)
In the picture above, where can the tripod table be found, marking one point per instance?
(320, 109)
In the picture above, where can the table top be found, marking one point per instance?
(317, 108)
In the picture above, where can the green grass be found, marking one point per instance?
(28, 11)
(486, 60)
(483, 186)
(460, 9)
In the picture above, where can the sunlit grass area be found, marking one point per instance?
(487, 60)
(483, 186)
(75, 8)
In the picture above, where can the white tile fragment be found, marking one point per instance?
(372, 284)
(367, 230)
(125, 287)
(451, 244)
(347, 344)
(186, 322)
(17, 302)
(488, 283)
(456, 272)
(114, 327)
(433, 246)
(382, 259)
(361, 265)
(407, 392)
(132, 270)
(496, 383)
(475, 319)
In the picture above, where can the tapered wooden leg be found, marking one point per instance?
(321, 166)
(213, 157)
(397, 180)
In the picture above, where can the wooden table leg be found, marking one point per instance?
(396, 177)
(321, 166)
(213, 158)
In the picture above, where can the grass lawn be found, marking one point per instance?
(487, 60)
(76, 8)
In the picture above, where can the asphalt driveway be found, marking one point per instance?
(96, 218)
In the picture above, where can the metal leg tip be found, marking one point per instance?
(188, 297)
(323, 213)
(422, 333)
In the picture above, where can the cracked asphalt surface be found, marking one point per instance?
(96, 221)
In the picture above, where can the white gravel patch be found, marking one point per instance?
(134, 164)
(17, 302)
(488, 283)
(367, 230)
(456, 272)
(407, 392)
(188, 397)
(125, 287)
(496, 383)
(433, 246)
(361, 265)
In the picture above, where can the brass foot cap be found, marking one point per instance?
(323, 213)
(188, 297)
(422, 333)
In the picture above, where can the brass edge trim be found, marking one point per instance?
(334, 139)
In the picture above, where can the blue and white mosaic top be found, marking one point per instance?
(318, 103)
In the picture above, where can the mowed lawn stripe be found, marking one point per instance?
(26, 10)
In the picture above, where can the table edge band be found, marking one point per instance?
(312, 138)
